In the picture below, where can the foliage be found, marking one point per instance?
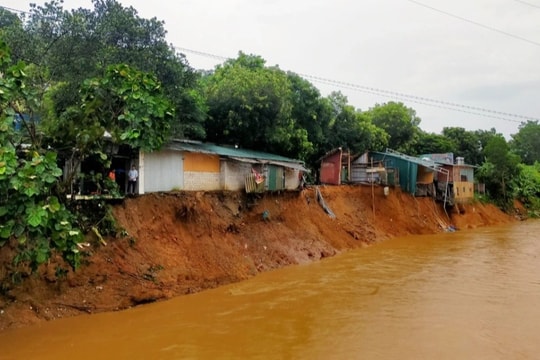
(310, 113)
(129, 105)
(427, 143)
(399, 122)
(82, 43)
(30, 212)
(250, 106)
(466, 144)
(526, 187)
(125, 107)
(352, 129)
(497, 172)
(526, 142)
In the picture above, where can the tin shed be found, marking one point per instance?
(415, 175)
(197, 166)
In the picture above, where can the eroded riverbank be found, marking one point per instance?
(181, 243)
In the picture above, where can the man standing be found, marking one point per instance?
(133, 175)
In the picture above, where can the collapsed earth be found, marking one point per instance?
(179, 243)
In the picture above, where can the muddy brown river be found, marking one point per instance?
(464, 295)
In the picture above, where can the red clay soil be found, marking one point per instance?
(184, 242)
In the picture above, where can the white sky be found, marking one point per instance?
(391, 45)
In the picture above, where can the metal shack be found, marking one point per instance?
(196, 166)
(458, 180)
(414, 175)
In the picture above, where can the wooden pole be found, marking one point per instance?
(372, 189)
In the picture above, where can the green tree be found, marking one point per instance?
(467, 144)
(526, 187)
(499, 169)
(82, 43)
(32, 218)
(526, 142)
(311, 112)
(352, 129)
(249, 105)
(125, 107)
(399, 122)
(429, 143)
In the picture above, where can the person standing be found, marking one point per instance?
(133, 175)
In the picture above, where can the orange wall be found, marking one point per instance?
(201, 162)
(425, 176)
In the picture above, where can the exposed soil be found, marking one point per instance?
(184, 242)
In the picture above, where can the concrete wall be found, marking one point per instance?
(292, 179)
(198, 180)
(463, 191)
(201, 172)
(233, 174)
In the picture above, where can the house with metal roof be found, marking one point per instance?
(192, 165)
(458, 180)
(414, 175)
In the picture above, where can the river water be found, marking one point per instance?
(464, 295)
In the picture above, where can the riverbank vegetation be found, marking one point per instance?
(70, 77)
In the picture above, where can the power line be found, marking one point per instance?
(527, 3)
(476, 23)
(418, 100)
(13, 10)
(396, 95)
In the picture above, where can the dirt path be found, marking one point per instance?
(185, 242)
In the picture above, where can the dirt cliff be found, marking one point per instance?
(183, 242)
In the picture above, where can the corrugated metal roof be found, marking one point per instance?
(235, 153)
(426, 163)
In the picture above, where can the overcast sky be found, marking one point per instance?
(475, 54)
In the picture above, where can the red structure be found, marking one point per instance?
(331, 167)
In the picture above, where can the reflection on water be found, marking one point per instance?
(464, 295)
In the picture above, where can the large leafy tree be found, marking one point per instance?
(32, 217)
(526, 142)
(352, 129)
(309, 112)
(249, 105)
(124, 107)
(429, 143)
(399, 122)
(500, 167)
(526, 187)
(468, 144)
(82, 43)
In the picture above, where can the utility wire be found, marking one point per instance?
(414, 97)
(401, 96)
(13, 10)
(476, 23)
(527, 3)
(396, 95)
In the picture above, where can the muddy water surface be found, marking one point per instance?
(463, 295)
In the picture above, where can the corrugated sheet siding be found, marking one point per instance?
(163, 171)
(275, 178)
(407, 170)
(251, 186)
(330, 169)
